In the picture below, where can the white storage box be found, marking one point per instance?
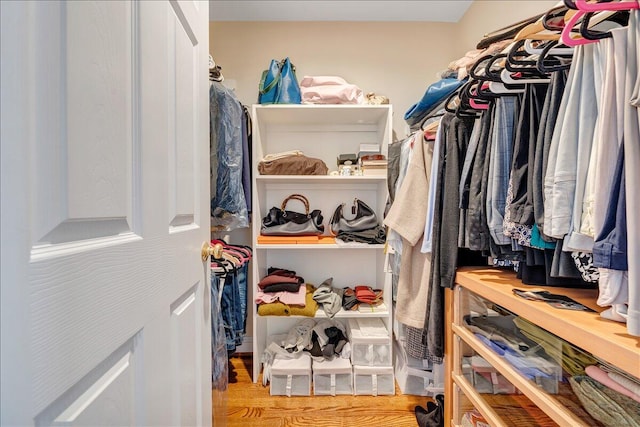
(332, 377)
(373, 380)
(370, 342)
(291, 377)
(418, 382)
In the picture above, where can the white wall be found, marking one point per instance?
(484, 16)
(396, 59)
(392, 59)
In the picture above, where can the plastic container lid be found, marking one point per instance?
(368, 331)
(336, 366)
(299, 366)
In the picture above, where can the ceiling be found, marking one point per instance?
(345, 10)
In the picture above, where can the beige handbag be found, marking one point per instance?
(373, 99)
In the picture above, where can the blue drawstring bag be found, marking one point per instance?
(435, 93)
(279, 85)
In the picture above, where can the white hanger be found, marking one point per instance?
(505, 76)
(528, 46)
(496, 87)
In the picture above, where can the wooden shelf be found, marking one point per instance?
(502, 410)
(603, 338)
(545, 401)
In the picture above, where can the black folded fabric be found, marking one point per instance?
(336, 338)
(280, 287)
(373, 236)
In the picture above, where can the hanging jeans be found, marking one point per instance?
(242, 292)
(231, 310)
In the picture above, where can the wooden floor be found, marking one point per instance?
(249, 404)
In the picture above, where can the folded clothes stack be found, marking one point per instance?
(283, 293)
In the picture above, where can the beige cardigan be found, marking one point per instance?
(407, 217)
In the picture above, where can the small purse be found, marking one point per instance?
(365, 219)
(281, 222)
(279, 85)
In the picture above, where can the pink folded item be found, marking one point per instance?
(599, 375)
(309, 81)
(289, 298)
(632, 386)
(329, 90)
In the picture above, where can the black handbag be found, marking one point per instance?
(281, 222)
(364, 219)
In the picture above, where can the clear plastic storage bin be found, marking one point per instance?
(415, 381)
(332, 377)
(412, 362)
(370, 342)
(291, 377)
(373, 380)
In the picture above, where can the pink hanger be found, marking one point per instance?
(583, 8)
(586, 6)
(475, 105)
(565, 35)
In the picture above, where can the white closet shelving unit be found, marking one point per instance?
(320, 131)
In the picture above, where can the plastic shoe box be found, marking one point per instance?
(291, 377)
(415, 381)
(373, 380)
(332, 377)
(486, 379)
(412, 362)
(370, 342)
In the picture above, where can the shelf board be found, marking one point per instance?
(317, 246)
(334, 114)
(603, 338)
(547, 402)
(504, 409)
(339, 315)
(331, 179)
(480, 404)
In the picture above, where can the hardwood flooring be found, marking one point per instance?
(249, 404)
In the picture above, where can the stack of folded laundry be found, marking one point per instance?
(363, 298)
(283, 293)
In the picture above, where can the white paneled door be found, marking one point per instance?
(105, 316)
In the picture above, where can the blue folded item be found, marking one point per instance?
(529, 367)
(435, 93)
(492, 345)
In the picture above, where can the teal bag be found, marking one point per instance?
(279, 85)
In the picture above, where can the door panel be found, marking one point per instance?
(185, 319)
(105, 204)
(106, 396)
(85, 132)
(183, 70)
